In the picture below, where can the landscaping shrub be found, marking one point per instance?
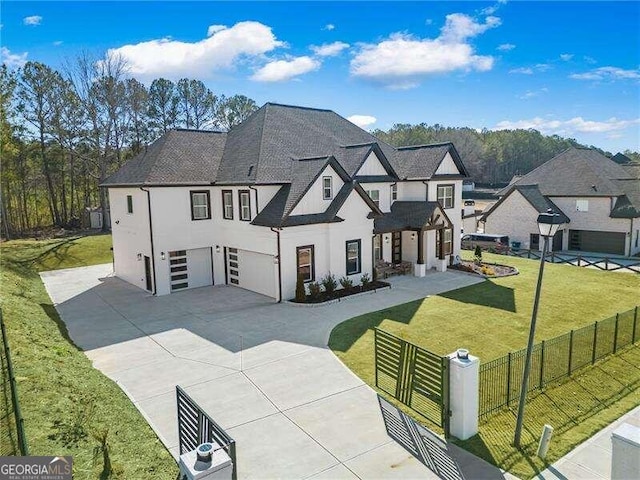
(486, 270)
(365, 280)
(329, 283)
(314, 290)
(477, 254)
(346, 282)
(301, 294)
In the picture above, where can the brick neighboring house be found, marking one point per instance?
(598, 199)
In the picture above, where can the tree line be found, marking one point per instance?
(63, 131)
(491, 156)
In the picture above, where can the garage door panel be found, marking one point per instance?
(595, 241)
(190, 268)
(251, 270)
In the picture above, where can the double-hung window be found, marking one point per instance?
(227, 204)
(448, 241)
(304, 259)
(245, 205)
(327, 188)
(375, 196)
(377, 247)
(445, 196)
(129, 204)
(394, 192)
(354, 265)
(200, 205)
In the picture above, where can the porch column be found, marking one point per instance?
(441, 263)
(420, 269)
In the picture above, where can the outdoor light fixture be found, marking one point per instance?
(162, 255)
(386, 239)
(413, 236)
(548, 224)
(139, 256)
(217, 248)
(276, 260)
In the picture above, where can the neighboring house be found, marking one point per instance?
(598, 200)
(290, 191)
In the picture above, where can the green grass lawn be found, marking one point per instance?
(66, 403)
(492, 318)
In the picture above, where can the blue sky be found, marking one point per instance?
(571, 68)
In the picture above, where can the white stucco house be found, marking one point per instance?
(598, 199)
(290, 191)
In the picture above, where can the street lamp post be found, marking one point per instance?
(548, 224)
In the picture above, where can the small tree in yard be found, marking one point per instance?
(365, 280)
(346, 282)
(301, 294)
(478, 255)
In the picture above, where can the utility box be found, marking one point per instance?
(209, 461)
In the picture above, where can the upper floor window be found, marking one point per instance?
(200, 205)
(304, 259)
(375, 196)
(394, 192)
(582, 205)
(245, 205)
(353, 257)
(445, 196)
(327, 188)
(129, 204)
(227, 204)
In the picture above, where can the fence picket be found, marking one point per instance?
(595, 342)
(615, 334)
(570, 352)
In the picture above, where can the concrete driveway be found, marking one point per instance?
(261, 370)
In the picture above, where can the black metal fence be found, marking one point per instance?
(196, 427)
(414, 376)
(12, 438)
(600, 262)
(551, 360)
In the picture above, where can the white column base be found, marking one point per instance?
(625, 453)
(464, 382)
(441, 265)
(419, 269)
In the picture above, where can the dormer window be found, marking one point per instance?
(327, 188)
(375, 196)
(445, 195)
(394, 192)
(582, 205)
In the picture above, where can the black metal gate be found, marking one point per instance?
(414, 376)
(196, 427)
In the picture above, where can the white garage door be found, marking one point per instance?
(190, 268)
(251, 270)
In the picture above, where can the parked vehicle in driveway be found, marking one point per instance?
(486, 241)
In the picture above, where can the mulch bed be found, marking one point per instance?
(492, 270)
(344, 292)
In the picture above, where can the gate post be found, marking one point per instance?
(464, 392)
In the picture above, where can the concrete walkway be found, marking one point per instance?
(591, 460)
(261, 370)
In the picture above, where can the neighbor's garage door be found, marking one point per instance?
(190, 268)
(251, 270)
(601, 242)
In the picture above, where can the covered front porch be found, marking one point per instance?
(412, 238)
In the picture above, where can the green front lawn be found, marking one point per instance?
(492, 318)
(67, 405)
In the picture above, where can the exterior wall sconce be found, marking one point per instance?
(276, 260)
(413, 236)
(386, 239)
(139, 256)
(162, 255)
(217, 248)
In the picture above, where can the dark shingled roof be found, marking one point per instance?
(628, 205)
(621, 158)
(633, 169)
(532, 194)
(421, 162)
(576, 172)
(187, 157)
(408, 215)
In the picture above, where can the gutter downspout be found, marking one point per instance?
(153, 256)
(257, 205)
(426, 190)
(630, 235)
(391, 187)
(277, 232)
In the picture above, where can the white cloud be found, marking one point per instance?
(533, 93)
(505, 47)
(214, 29)
(329, 49)
(607, 73)
(329, 26)
(32, 20)
(57, 43)
(220, 50)
(401, 59)
(12, 60)
(540, 67)
(428, 21)
(590, 60)
(283, 70)
(522, 70)
(568, 127)
(362, 121)
(566, 56)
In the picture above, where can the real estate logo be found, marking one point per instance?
(36, 468)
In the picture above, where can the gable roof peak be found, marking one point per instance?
(426, 145)
(300, 107)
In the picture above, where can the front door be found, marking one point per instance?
(147, 272)
(557, 241)
(396, 247)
